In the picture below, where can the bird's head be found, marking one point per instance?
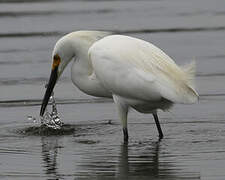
(61, 56)
(75, 44)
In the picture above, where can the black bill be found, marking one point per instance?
(50, 87)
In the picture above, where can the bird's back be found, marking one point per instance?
(146, 68)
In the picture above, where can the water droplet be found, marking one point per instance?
(29, 118)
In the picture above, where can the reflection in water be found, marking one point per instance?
(135, 161)
(123, 166)
(141, 162)
(49, 156)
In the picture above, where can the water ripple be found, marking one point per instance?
(44, 13)
(173, 30)
(37, 102)
(46, 131)
(160, 30)
(37, 80)
(30, 34)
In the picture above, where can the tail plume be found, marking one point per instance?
(190, 70)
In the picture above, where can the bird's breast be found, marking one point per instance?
(88, 84)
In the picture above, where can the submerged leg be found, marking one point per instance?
(158, 125)
(122, 111)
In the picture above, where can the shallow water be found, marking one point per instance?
(90, 146)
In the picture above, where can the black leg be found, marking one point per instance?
(158, 125)
(125, 134)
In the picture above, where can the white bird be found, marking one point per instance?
(134, 73)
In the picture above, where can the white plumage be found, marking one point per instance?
(133, 72)
(134, 68)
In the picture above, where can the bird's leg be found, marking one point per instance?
(125, 134)
(122, 111)
(158, 125)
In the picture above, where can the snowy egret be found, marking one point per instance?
(134, 73)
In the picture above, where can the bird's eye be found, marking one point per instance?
(56, 61)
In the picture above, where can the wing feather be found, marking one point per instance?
(118, 60)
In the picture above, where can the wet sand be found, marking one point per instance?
(194, 143)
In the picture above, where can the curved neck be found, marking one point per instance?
(82, 63)
(80, 42)
(75, 46)
(82, 71)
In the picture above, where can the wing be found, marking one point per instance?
(137, 69)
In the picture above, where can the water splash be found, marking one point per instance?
(51, 119)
